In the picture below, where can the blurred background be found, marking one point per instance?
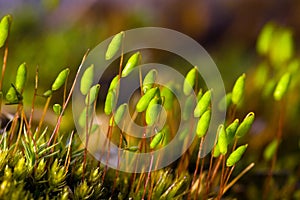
(54, 34)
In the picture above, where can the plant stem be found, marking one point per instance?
(43, 115)
(278, 137)
(197, 165)
(238, 177)
(3, 69)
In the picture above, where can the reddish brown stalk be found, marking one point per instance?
(119, 155)
(14, 123)
(148, 177)
(33, 99)
(213, 175)
(267, 185)
(19, 134)
(238, 177)
(197, 166)
(68, 156)
(3, 69)
(108, 152)
(200, 176)
(43, 115)
(86, 136)
(222, 179)
(228, 176)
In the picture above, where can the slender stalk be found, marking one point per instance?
(278, 137)
(222, 180)
(68, 156)
(148, 177)
(3, 68)
(19, 134)
(43, 115)
(197, 165)
(36, 82)
(86, 135)
(238, 177)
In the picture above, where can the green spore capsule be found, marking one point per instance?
(84, 117)
(21, 77)
(4, 29)
(203, 124)
(132, 62)
(282, 47)
(236, 155)
(114, 46)
(60, 79)
(110, 102)
(149, 80)
(238, 90)
(222, 141)
(57, 108)
(11, 95)
(217, 152)
(203, 104)
(282, 86)
(168, 97)
(156, 140)
(265, 39)
(189, 81)
(245, 126)
(225, 102)
(199, 95)
(114, 84)
(153, 110)
(93, 94)
(231, 130)
(270, 150)
(132, 148)
(48, 93)
(145, 100)
(119, 114)
(87, 80)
